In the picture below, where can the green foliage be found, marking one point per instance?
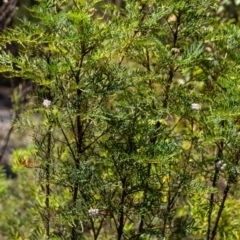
(18, 218)
(139, 116)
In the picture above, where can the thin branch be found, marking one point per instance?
(4, 147)
(95, 140)
(47, 196)
(214, 184)
(66, 138)
(214, 231)
(135, 33)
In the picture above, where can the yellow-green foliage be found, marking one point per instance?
(139, 109)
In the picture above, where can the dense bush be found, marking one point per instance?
(139, 109)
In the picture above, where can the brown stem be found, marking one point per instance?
(175, 34)
(171, 201)
(48, 175)
(214, 231)
(140, 229)
(96, 231)
(121, 217)
(214, 184)
(77, 166)
(148, 61)
(172, 69)
(211, 202)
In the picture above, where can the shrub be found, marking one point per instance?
(139, 128)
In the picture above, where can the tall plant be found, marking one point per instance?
(139, 116)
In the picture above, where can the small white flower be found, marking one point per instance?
(219, 163)
(196, 106)
(93, 212)
(46, 103)
(223, 166)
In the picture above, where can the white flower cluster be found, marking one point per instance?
(196, 106)
(221, 165)
(93, 212)
(46, 103)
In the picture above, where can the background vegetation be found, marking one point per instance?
(134, 121)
